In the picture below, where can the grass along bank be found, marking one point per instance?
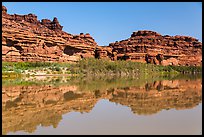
(93, 67)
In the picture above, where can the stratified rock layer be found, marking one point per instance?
(24, 38)
(151, 47)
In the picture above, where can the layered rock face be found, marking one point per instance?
(24, 38)
(151, 47)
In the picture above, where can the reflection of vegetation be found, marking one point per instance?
(96, 83)
(93, 84)
(29, 103)
(188, 76)
(86, 83)
(19, 81)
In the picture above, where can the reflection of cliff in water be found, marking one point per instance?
(26, 107)
(160, 95)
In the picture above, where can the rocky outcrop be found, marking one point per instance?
(53, 25)
(32, 18)
(103, 53)
(152, 47)
(4, 10)
(25, 38)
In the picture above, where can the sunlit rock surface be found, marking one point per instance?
(25, 38)
(152, 47)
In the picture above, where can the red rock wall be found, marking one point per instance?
(24, 38)
(151, 47)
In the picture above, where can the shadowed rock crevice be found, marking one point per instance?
(71, 51)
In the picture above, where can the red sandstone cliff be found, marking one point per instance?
(24, 38)
(151, 47)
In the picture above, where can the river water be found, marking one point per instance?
(91, 106)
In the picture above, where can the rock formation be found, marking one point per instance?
(151, 47)
(25, 38)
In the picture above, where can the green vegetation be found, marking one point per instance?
(92, 83)
(17, 66)
(96, 67)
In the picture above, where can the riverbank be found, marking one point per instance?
(93, 67)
